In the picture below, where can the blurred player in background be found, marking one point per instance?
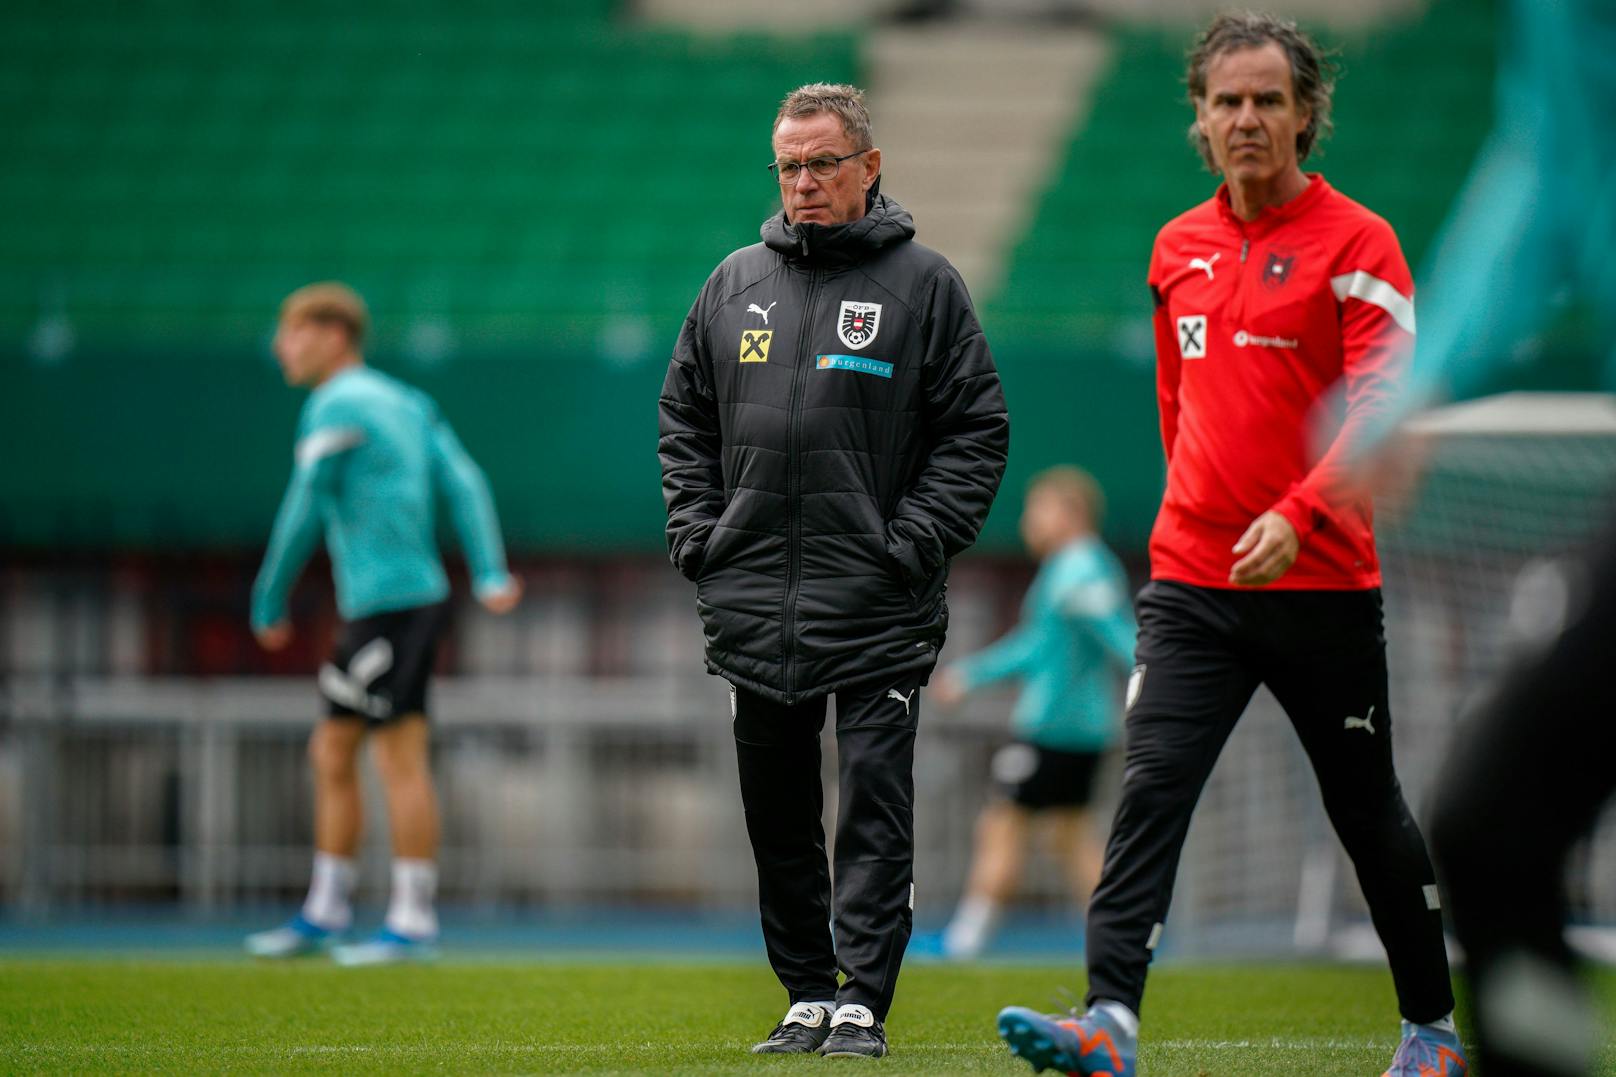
(832, 434)
(1075, 638)
(371, 459)
(1535, 221)
(1263, 562)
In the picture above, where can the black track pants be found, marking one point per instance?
(872, 909)
(1202, 653)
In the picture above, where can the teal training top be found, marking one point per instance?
(1076, 634)
(372, 455)
(1535, 224)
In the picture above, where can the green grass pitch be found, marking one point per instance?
(80, 1015)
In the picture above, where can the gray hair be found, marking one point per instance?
(841, 99)
(1312, 72)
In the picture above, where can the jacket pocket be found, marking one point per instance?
(720, 545)
(915, 590)
(720, 537)
(904, 560)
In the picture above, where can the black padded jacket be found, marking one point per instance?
(832, 433)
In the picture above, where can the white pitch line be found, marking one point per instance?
(1181, 1045)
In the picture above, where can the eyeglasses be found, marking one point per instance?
(787, 173)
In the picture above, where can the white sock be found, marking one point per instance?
(415, 887)
(330, 901)
(1444, 1024)
(1126, 1018)
(968, 932)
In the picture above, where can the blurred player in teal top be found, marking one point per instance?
(372, 458)
(1534, 226)
(1075, 638)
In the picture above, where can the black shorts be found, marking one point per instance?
(1035, 777)
(380, 666)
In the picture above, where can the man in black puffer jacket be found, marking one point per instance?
(832, 433)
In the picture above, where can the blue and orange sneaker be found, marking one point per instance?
(386, 947)
(1428, 1052)
(296, 938)
(1092, 1045)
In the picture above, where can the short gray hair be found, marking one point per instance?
(839, 98)
(1312, 72)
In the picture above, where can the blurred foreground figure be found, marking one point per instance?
(832, 434)
(1529, 774)
(1075, 637)
(1532, 766)
(372, 458)
(1284, 314)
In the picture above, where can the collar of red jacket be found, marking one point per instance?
(1271, 217)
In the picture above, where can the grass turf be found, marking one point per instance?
(167, 1015)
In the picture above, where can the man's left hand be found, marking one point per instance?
(1270, 546)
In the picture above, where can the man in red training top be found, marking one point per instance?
(1284, 317)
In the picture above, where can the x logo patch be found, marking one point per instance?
(1192, 336)
(755, 346)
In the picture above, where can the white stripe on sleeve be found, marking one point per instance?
(328, 442)
(1371, 289)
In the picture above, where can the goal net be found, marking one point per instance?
(1505, 482)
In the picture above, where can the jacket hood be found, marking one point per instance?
(884, 224)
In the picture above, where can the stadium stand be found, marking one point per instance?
(535, 188)
(535, 194)
(513, 170)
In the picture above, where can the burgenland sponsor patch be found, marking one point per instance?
(858, 364)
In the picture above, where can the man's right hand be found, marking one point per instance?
(504, 600)
(1270, 546)
(274, 637)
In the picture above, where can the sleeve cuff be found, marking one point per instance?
(491, 585)
(1303, 514)
(690, 556)
(907, 555)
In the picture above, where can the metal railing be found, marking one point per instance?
(554, 790)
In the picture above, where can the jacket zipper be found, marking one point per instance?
(1240, 284)
(793, 493)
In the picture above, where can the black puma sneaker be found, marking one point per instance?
(854, 1033)
(800, 1032)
